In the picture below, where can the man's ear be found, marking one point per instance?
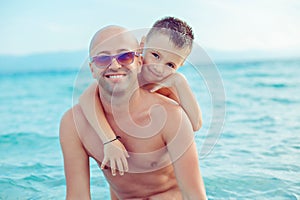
(92, 70)
(142, 44)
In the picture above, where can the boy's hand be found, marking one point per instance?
(169, 82)
(117, 155)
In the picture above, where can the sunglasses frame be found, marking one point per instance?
(116, 56)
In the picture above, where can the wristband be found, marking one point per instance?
(117, 138)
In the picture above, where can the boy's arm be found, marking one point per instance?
(90, 103)
(114, 152)
(184, 96)
(183, 153)
(76, 160)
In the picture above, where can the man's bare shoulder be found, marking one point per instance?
(71, 119)
(171, 106)
(175, 115)
(69, 116)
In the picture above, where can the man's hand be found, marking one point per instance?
(116, 155)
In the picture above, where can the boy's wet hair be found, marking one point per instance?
(179, 32)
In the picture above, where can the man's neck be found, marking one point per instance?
(120, 103)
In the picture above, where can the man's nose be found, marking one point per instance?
(114, 65)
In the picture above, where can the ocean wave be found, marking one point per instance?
(32, 187)
(261, 185)
(24, 138)
(284, 100)
(272, 85)
(24, 148)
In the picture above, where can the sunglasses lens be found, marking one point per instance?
(102, 61)
(126, 58)
(123, 59)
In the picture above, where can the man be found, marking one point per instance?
(163, 161)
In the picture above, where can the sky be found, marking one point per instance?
(33, 26)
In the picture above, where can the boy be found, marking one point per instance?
(166, 47)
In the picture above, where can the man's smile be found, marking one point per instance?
(113, 76)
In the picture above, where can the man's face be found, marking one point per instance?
(161, 58)
(115, 76)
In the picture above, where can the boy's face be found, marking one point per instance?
(161, 58)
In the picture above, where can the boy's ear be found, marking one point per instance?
(182, 63)
(140, 64)
(142, 44)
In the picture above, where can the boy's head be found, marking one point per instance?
(167, 45)
(179, 32)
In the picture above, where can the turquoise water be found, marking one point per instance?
(257, 156)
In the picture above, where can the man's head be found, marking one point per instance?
(167, 45)
(113, 59)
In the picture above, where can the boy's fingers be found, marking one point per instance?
(104, 162)
(120, 167)
(155, 89)
(126, 154)
(113, 167)
(125, 164)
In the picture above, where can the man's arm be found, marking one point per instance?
(114, 152)
(182, 149)
(76, 160)
(112, 194)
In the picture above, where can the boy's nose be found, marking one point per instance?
(114, 65)
(158, 68)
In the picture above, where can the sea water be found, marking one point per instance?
(255, 155)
